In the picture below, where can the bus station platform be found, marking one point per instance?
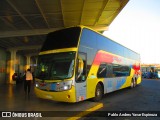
(13, 99)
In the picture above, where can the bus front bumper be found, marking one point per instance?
(62, 96)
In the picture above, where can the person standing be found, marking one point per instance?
(28, 80)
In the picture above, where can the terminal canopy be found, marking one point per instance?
(25, 23)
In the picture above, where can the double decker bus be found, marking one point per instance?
(78, 63)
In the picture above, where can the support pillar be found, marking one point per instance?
(28, 61)
(36, 60)
(12, 68)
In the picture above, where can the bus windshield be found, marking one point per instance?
(55, 66)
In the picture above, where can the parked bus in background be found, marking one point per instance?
(78, 63)
(157, 73)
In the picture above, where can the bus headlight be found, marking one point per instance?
(37, 85)
(65, 85)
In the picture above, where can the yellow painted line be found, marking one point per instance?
(88, 111)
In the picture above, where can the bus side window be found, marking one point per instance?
(110, 70)
(102, 71)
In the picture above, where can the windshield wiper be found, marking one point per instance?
(58, 78)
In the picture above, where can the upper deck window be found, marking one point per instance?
(65, 38)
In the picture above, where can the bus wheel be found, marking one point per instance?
(98, 93)
(135, 82)
(132, 84)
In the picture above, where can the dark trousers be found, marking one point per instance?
(27, 86)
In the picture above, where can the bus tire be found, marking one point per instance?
(98, 93)
(135, 82)
(132, 83)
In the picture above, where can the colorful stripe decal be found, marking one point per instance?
(103, 56)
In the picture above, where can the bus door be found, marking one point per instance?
(80, 84)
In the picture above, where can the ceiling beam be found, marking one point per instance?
(8, 23)
(118, 10)
(100, 27)
(35, 54)
(62, 12)
(14, 7)
(42, 13)
(101, 11)
(37, 47)
(82, 12)
(35, 14)
(7, 42)
(18, 33)
(4, 45)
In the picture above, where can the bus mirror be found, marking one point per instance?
(80, 67)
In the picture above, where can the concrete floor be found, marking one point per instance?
(13, 99)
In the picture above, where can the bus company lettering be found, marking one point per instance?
(34, 115)
(15, 114)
